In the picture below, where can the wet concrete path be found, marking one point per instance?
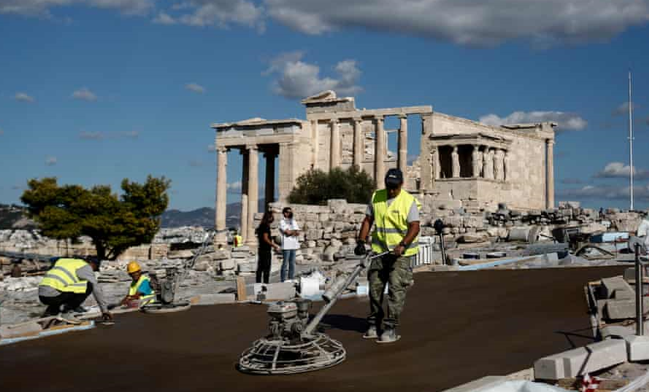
(456, 327)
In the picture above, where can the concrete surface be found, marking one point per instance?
(456, 327)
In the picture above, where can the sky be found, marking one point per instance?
(94, 91)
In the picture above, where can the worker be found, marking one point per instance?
(395, 214)
(238, 240)
(140, 292)
(67, 284)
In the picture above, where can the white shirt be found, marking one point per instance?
(643, 229)
(289, 242)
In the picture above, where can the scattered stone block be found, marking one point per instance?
(488, 382)
(213, 299)
(247, 267)
(241, 249)
(220, 254)
(605, 354)
(617, 283)
(239, 255)
(20, 330)
(573, 363)
(637, 347)
(228, 264)
(278, 291)
(616, 331)
(180, 254)
(549, 368)
(623, 309)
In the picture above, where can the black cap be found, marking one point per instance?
(393, 178)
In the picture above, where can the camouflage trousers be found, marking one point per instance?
(397, 272)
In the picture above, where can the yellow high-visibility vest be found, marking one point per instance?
(238, 241)
(391, 223)
(133, 289)
(63, 276)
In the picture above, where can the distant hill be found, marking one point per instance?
(204, 216)
(14, 217)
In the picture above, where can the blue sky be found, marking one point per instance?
(93, 91)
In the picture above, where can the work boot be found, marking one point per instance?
(78, 309)
(389, 335)
(69, 317)
(371, 333)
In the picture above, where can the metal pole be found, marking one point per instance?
(631, 142)
(639, 311)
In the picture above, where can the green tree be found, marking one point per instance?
(316, 186)
(114, 222)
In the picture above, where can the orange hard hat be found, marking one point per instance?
(133, 266)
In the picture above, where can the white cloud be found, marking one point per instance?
(85, 135)
(234, 187)
(605, 192)
(216, 13)
(298, 79)
(623, 109)
(43, 8)
(50, 161)
(620, 170)
(165, 19)
(468, 22)
(197, 88)
(566, 121)
(84, 94)
(22, 97)
(91, 135)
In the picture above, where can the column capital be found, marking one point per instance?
(402, 116)
(221, 150)
(252, 147)
(379, 118)
(334, 121)
(549, 142)
(357, 120)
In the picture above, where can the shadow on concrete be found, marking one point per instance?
(343, 322)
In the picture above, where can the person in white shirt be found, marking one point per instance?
(643, 231)
(290, 243)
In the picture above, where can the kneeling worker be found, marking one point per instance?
(140, 292)
(68, 283)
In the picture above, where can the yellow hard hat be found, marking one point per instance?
(133, 266)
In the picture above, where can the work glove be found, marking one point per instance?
(360, 250)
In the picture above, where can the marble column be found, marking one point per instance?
(434, 164)
(488, 164)
(335, 144)
(359, 143)
(428, 151)
(244, 193)
(253, 192)
(506, 166)
(499, 172)
(269, 191)
(475, 161)
(221, 194)
(379, 148)
(315, 140)
(455, 157)
(549, 173)
(403, 144)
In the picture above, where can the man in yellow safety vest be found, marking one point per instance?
(395, 214)
(67, 284)
(140, 292)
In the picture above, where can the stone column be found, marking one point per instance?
(506, 166)
(221, 195)
(315, 139)
(269, 194)
(434, 164)
(359, 143)
(499, 165)
(549, 173)
(253, 192)
(427, 152)
(455, 172)
(475, 161)
(403, 144)
(379, 148)
(488, 164)
(244, 193)
(334, 161)
(480, 162)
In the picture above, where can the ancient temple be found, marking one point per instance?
(459, 160)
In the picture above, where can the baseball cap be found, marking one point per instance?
(393, 178)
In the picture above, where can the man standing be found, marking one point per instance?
(396, 215)
(68, 283)
(140, 291)
(290, 243)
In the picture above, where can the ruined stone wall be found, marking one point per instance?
(525, 185)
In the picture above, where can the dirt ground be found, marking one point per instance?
(456, 327)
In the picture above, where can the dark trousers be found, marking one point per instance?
(70, 301)
(264, 258)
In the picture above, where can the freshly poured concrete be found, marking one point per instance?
(456, 327)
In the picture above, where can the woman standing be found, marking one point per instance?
(264, 255)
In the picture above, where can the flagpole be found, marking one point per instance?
(631, 141)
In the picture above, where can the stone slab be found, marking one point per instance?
(479, 384)
(549, 368)
(637, 347)
(623, 309)
(20, 330)
(605, 354)
(276, 291)
(616, 332)
(611, 286)
(213, 299)
(582, 360)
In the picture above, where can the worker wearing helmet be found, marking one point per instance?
(67, 285)
(395, 214)
(140, 292)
